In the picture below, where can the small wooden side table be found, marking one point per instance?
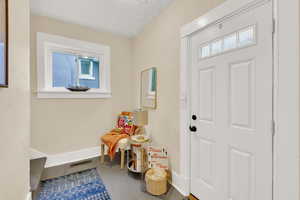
(138, 161)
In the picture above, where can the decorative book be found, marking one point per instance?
(158, 157)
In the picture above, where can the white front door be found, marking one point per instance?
(231, 104)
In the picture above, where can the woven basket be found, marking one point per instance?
(156, 181)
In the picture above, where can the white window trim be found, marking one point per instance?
(47, 44)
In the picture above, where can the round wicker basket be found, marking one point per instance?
(156, 181)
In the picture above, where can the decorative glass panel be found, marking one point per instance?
(205, 51)
(246, 36)
(230, 42)
(216, 47)
(233, 41)
(66, 71)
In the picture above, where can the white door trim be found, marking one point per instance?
(286, 91)
(228, 9)
(286, 100)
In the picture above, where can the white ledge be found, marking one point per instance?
(48, 94)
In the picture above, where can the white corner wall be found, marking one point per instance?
(287, 109)
(15, 108)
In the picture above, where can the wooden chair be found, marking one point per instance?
(122, 146)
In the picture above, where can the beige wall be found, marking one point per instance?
(159, 46)
(60, 125)
(15, 108)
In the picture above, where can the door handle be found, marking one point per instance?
(193, 128)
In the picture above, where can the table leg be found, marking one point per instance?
(102, 153)
(142, 159)
(122, 158)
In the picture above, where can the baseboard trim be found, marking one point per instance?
(180, 183)
(69, 157)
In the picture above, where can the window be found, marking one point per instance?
(205, 52)
(230, 42)
(216, 47)
(2, 64)
(64, 62)
(89, 69)
(239, 39)
(246, 37)
(4, 44)
(70, 70)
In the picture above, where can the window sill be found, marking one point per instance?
(57, 94)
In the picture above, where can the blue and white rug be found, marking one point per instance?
(86, 185)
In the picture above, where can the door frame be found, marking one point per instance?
(286, 94)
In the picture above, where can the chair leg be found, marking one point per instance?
(122, 158)
(102, 153)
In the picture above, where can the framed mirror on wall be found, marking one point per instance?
(148, 98)
(4, 43)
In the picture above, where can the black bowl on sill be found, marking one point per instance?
(78, 88)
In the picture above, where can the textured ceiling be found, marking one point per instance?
(125, 17)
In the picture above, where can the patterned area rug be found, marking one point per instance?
(86, 185)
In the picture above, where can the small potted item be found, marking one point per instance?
(78, 88)
(140, 139)
(138, 153)
(156, 181)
